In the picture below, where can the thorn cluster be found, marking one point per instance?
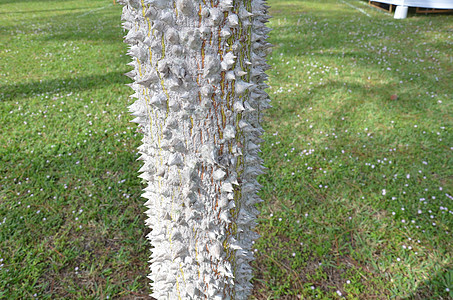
(198, 71)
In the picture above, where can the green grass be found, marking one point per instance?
(355, 180)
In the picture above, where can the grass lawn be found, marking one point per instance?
(358, 195)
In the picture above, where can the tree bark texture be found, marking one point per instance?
(199, 88)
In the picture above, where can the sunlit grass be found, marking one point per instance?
(358, 146)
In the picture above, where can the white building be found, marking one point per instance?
(402, 5)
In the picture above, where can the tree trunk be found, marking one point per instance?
(199, 83)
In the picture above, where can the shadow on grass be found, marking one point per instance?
(29, 1)
(72, 24)
(435, 286)
(43, 10)
(14, 91)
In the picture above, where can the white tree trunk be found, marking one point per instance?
(199, 82)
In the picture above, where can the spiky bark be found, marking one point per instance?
(199, 83)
